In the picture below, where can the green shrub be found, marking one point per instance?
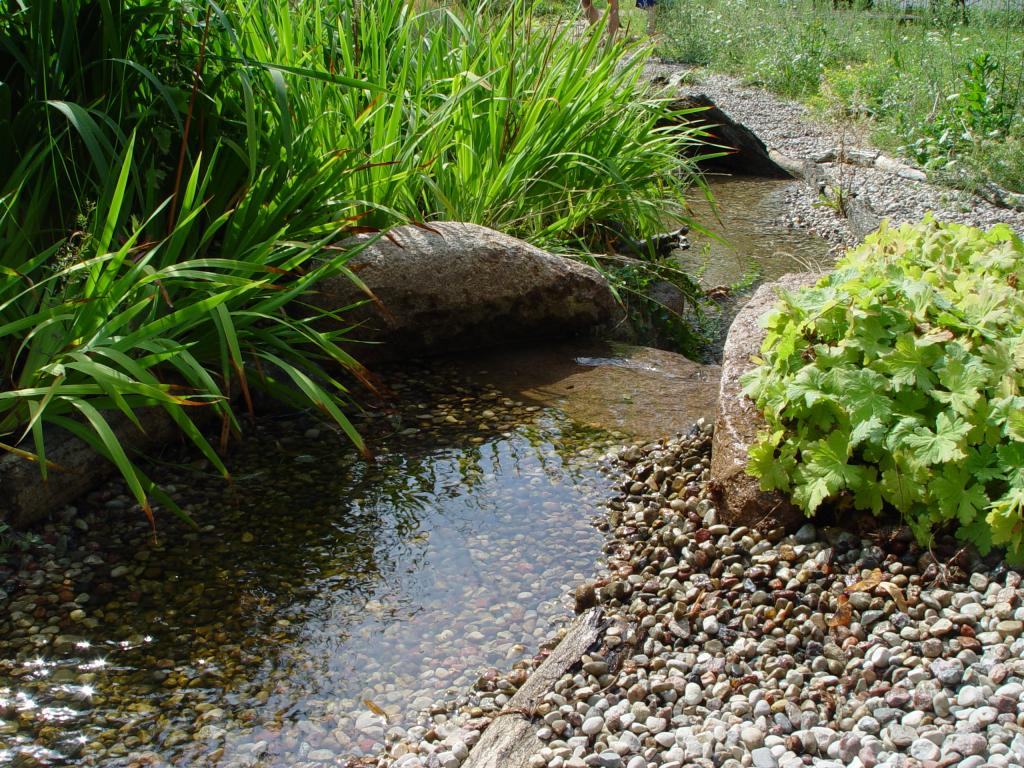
(157, 271)
(897, 382)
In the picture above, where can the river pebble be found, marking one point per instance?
(816, 655)
(323, 603)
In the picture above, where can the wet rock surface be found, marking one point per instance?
(742, 151)
(726, 646)
(27, 498)
(324, 600)
(644, 393)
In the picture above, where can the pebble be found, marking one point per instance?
(714, 653)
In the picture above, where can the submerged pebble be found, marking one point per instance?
(758, 648)
(324, 600)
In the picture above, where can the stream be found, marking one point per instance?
(755, 246)
(327, 600)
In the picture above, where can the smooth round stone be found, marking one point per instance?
(931, 648)
(965, 744)
(901, 736)
(693, 694)
(751, 737)
(627, 743)
(806, 534)
(637, 761)
(665, 739)
(941, 627)
(1012, 629)
(948, 671)
(762, 757)
(849, 746)
(925, 750)
(868, 724)
(592, 726)
(879, 657)
(983, 716)
(970, 696)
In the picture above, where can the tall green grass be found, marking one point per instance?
(182, 174)
(906, 74)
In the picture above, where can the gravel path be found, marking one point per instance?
(728, 648)
(787, 127)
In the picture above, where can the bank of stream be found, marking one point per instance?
(327, 600)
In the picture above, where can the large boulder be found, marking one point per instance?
(739, 497)
(447, 286)
(745, 153)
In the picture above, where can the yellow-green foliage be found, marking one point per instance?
(897, 382)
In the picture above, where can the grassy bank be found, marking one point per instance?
(179, 174)
(945, 94)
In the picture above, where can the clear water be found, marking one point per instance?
(327, 588)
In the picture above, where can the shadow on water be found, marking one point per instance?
(321, 583)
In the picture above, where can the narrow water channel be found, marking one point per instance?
(752, 244)
(322, 591)
(756, 245)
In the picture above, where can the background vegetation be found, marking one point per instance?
(943, 89)
(178, 175)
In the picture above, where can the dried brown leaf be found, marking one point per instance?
(868, 584)
(896, 594)
(843, 614)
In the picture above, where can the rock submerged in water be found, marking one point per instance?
(739, 497)
(448, 286)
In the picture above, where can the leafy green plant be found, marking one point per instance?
(897, 382)
(170, 273)
(978, 111)
(119, 327)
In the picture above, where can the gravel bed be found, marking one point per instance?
(317, 582)
(731, 648)
(787, 127)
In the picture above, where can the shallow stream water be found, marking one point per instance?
(328, 599)
(323, 590)
(754, 244)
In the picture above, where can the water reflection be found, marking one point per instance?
(755, 242)
(327, 582)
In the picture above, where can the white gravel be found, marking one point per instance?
(788, 128)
